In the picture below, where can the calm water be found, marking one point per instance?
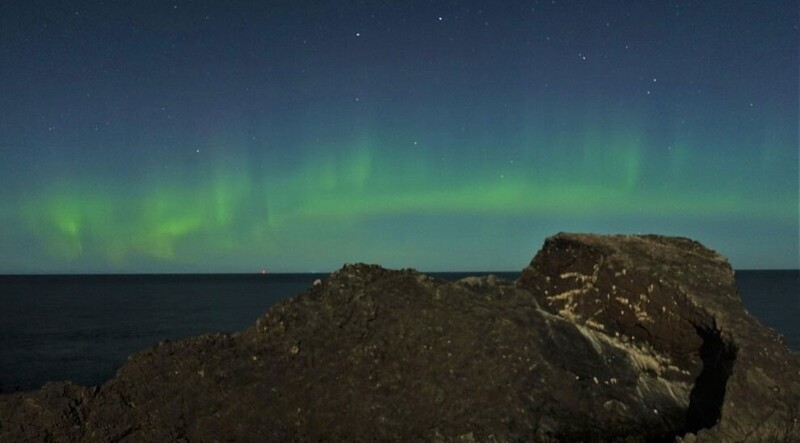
(82, 328)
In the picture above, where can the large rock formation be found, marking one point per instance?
(677, 301)
(602, 338)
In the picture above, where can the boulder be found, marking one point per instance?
(678, 300)
(602, 338)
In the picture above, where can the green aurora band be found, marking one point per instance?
(229, 137)
(235, 211)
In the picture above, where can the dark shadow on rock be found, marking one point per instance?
(708, 393)
(705, 401)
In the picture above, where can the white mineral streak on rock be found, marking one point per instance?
(651, 365)
(577, 276)
(596, 325)
(567, 295)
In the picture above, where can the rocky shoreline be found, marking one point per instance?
(602, 338)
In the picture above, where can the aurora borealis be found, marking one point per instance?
(199, 136)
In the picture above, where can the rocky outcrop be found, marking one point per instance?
(679, 300)
(602, 338)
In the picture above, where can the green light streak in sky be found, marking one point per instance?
(233, 209)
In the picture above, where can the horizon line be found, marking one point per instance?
(314, 272)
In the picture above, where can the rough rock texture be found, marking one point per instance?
(601, 339)
(679, 299)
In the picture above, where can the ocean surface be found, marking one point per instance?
(82, 328)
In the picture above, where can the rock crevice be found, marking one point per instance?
(708, 394)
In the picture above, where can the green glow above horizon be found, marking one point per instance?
(229, 210)
(204, 138)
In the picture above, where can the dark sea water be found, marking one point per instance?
(82, 328)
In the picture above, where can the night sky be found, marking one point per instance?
(295, 136)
